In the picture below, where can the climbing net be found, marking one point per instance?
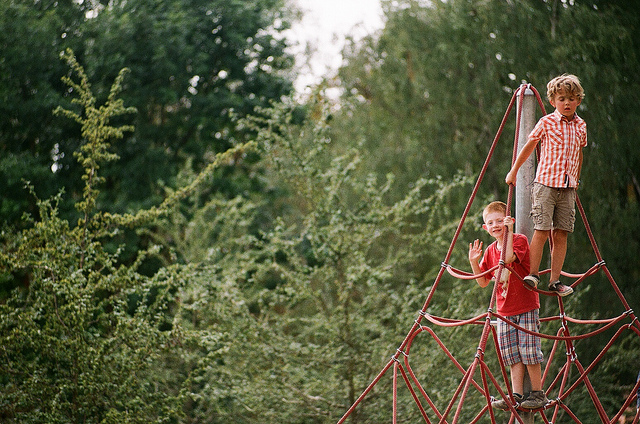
(561, 386)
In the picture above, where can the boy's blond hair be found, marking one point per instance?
(496, 206)
(567, 83)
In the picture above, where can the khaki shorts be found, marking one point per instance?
(553, 208)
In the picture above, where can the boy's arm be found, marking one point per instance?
(520, 160)
(509, 255)
(475, 253)
(579, 166)
(583, 144)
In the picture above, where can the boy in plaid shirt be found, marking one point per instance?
(562, 135)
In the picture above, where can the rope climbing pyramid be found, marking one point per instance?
(477, 383)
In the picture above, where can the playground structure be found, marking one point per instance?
(562, 385)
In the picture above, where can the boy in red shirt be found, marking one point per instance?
(562, 135)
(519, 350)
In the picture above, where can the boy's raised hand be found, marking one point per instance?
(475, 251)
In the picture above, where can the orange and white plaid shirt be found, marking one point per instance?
(561, 141)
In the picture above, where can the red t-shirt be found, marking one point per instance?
(512, 298)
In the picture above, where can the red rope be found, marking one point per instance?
(453, 323)
(413, 393)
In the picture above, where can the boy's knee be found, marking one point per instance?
(559, 234)
(541, 234)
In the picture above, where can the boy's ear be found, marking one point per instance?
(484, 227)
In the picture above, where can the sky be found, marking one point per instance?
(324, 27)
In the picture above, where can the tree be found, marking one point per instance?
(83, 334)
(283, 282)
(327, 288)
(195, 67)
(32, 35)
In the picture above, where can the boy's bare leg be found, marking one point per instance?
(535, 374)
(517, 377)
(558, 253)
(537, 398)
(535, 250)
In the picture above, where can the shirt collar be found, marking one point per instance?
(559, 117)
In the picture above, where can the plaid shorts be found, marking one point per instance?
(518, 346)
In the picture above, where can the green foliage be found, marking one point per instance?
(290, 321)
(84, 335)
(330, 286)
(95, 130)
(271, 282)
(88, 337)
(195, 66)
(81, 332)
(77, 345)
(32, 36)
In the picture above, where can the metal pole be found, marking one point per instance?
(524, 182)
(526, 174)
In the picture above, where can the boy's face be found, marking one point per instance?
(566, 103)
(494, 224)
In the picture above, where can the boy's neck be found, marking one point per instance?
(568, 118)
